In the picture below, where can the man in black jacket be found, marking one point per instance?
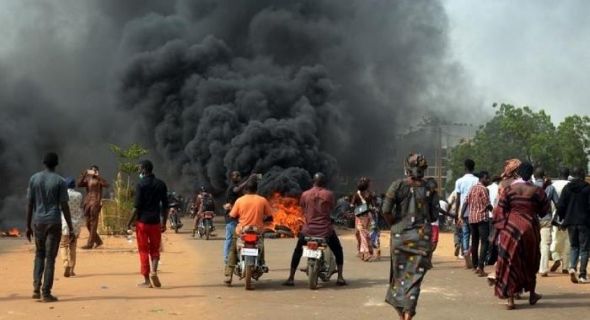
(574, 208)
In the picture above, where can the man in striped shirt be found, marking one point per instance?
(478, 201)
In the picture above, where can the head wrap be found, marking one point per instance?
(510, 168)
(70, 182)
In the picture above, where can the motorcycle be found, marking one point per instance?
(206, 225)
(249, 265)
(321, 262)
(175, 222)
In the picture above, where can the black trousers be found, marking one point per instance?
(47, 238)
(480, 233)
(333, 243)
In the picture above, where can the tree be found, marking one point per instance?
(573, 137)
(115, 214)
(530, 136)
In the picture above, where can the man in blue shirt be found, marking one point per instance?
(545, 220)
(47, 199)
(462, 187)
(151, 199)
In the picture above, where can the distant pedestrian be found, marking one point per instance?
(462, 187)
(94, 184)
(545, 219)
(47, 194)
(560, 242)
(574, 208)
(363, 198)
(150, 203)
(68, 241)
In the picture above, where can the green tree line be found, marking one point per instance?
(522, 133)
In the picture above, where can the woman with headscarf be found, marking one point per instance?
(518, 231)
(410, 206)
(362, 202)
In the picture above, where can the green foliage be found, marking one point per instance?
(116, 214)
(127, 158)
(527, 135)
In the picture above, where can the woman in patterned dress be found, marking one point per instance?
(363, 220)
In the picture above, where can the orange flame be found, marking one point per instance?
(287, 213)
(11, 233)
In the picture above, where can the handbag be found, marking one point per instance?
(362, 208)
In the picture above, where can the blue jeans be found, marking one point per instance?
(465, 233)
(47, 238)
(580, 245)
(230, 230)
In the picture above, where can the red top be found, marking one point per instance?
(478, 199)
(317, 205)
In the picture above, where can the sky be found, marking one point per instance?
(526, 52)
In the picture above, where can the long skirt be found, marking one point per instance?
(519, 256)
(410, 259)
(363, 238)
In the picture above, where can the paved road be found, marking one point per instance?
(448, 291)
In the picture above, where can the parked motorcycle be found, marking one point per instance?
(205, 227)
(321, 262)
(249, 248)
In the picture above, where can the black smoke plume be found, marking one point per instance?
(279, 87)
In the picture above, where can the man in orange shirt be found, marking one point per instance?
(250, 210)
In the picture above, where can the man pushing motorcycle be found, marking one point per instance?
(250, 210)
(317, 204)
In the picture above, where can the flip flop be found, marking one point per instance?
(155, 280)
(341, 283)
(288, 283)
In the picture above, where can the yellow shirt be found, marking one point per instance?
(250, 210)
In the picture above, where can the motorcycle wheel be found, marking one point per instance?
(248, 277)
(312, 274)
(176, 226)
(207, 229)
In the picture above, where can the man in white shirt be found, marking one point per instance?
(68, 245)
(560, 242)
(462, 186)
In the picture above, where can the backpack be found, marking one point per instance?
(208, 202)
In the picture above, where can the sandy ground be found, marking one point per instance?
(192, 275)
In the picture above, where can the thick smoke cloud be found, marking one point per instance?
(283, 88)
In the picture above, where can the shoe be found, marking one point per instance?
(564, 271)
(68, 272)
(583, 280)
(556, 264)
(544, 274)
(457, 249)
(36, 295)
(86, 247)
(49, 298)
(468, 261)
(480, 273)
(227, 280)
(460, 257)
(155, 280)
(98, 244)
(573, 276)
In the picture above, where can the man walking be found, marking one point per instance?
(462, 187)
(94, 184)
(68, 241)
(574, 208)
(151, 196)
(478, 201)
(47, 194)
(560, 242)
(545, 219)
(317, 203)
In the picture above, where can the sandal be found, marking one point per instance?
(288, 283)
(533, 300)
(341, 283)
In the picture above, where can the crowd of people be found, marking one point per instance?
(517, 221)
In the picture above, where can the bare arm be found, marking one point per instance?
(82, 182)
(29, 219)
(132, 218)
